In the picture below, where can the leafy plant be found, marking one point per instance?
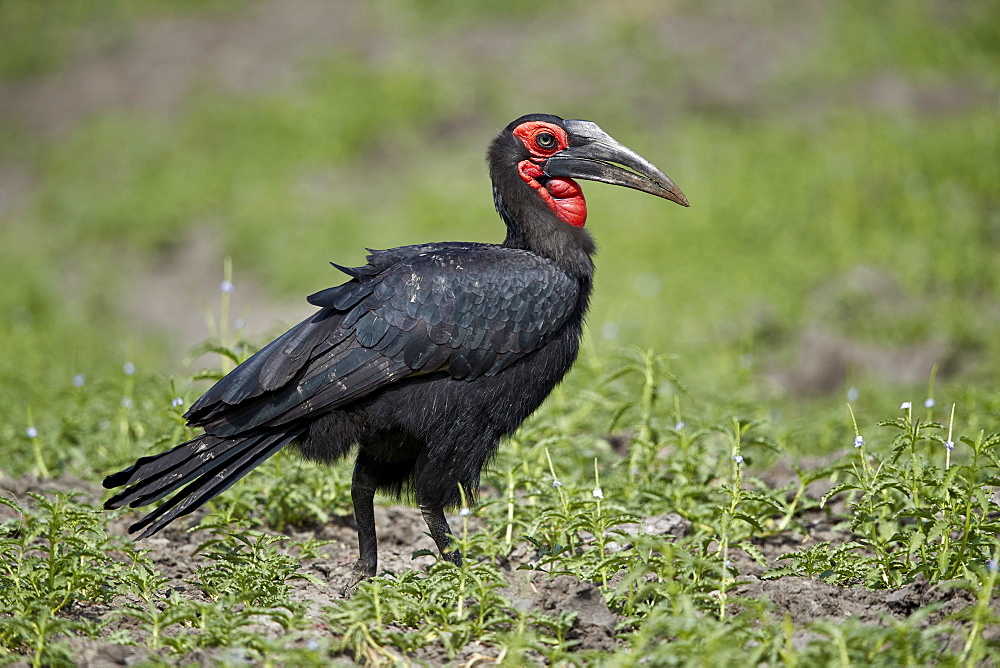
(245, 568)
(55, 557)
(918, 518)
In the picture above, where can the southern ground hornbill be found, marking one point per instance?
(425, 359)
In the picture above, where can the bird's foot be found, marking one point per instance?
(362, 571)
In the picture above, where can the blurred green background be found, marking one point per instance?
(842, 160)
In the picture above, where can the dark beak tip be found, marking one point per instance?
(675, 195)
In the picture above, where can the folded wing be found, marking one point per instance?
(465, 309)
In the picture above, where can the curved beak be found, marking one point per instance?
(594, 155)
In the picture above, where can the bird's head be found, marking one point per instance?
(547, 153)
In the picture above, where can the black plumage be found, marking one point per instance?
(425, 359)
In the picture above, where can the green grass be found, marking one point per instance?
(915, 509)
(39, 37)
(814, 175)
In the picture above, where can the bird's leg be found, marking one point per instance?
(363, 495)
(438, 524)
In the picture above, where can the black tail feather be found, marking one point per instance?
(144, 467)
(159, 483)
(207, 472)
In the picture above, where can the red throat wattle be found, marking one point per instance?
(563, 195)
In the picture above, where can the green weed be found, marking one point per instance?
(56, 559)
(918, 518)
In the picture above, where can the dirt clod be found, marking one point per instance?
(594, 626)
(807, 599)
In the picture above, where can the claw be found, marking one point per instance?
(362, 571)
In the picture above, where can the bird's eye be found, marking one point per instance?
(545, 140)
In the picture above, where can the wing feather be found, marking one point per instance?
(469, 309)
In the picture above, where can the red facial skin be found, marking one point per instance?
(563, 195)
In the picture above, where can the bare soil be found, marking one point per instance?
(402, 533)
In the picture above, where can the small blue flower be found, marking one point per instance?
(312, 644)
(31, 432)
(680, 425)
(128, 368)
(905, 406)
(992, 565)
(127, 402)
(176, 402)
(858, 441)
(556, 484)
(79, 380)
(853, 394)
(226, 286)
(729, 564)
(738, 459)
(949, 444)
(929, 402)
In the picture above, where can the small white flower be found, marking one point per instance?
(680, 425)
(79, 380)
(853, 394)
(556, 484)
(464, 512)
(240, 323)
(929, 402)
(598, 493)
(858, 441)
(127, 402)
(738, 459)
(312, 644)
(729, 564)
(227, 287)
(128, 368)
(949, 444)
(905, 406)
(176, 402)
(31, 432)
